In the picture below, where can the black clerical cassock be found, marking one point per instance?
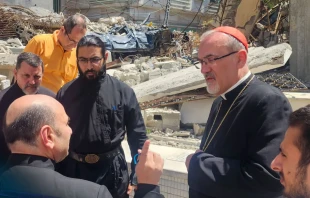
(101, 111)
(242, 137)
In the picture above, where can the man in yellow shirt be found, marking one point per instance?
(57, 51)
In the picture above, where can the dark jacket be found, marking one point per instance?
(7, 96)
(243, 144)
(35, 175)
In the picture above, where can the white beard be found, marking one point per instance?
(213, 88)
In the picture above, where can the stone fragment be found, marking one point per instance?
(182, 134)
(5, 84)
(198, 129)
(144, 76)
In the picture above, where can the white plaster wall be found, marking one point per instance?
(196, 111)
(297, 103)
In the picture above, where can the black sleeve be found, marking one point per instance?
(136, 133)
(148, 191)
(226, 177)
(59, 95)
(104, 193)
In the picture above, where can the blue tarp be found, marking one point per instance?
(129, 41)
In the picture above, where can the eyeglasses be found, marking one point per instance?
(70, 39)
(93, 60)
(212, 59)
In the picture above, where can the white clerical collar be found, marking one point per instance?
(236, 85)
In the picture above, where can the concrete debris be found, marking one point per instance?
(27, 22)
(260, 59)
(160, 119)
(198, 129)
(168, 131)
(4, 82)
(172, 143)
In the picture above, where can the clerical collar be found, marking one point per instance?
(236, 85)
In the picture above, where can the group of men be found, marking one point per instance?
(79, 133)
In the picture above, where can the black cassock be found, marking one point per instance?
(236, 162)
(101, 111)
(34, 176)
(7, 96)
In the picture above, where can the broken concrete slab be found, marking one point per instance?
(178, 82)
(262, 59)
(259, 60)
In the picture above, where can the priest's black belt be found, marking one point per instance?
(94, 158)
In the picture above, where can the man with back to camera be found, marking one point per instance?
(37, 132)
(102, 110)
(247, 123)
(57, 51)
(28, 74)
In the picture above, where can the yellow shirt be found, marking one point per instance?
(59, 65)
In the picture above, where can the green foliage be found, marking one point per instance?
(271, 3)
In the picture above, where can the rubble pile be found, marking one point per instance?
(147, 68)
(24, 23)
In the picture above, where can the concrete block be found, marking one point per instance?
(162, 118)
(144, 76)
(5, 84)
(135, 75)
(167, 64)
(17, 50)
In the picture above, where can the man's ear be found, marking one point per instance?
(106, 55)
(62, 29)
(242, 58)
(15, 73)
(47, 136)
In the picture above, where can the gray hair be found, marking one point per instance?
(73, 21)
(232, 44)
(31, 59)
(27, 125)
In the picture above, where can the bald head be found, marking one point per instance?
(26, 115)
